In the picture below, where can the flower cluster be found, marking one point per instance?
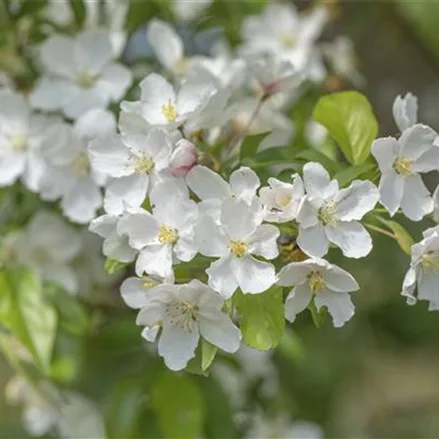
(191, 175)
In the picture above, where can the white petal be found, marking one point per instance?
(416, 140)
(57, 54)
(219, 330)
(307, 214)
(110, 156)
(141, 227)
(158, 145)
(297, 301)
(317, 181)
(150, 315)
(313, 241)
(238, 219)
(185, 249)
(92, 51)
(125, 193)
(294, 273)
(355, 201)
(209, 238)
(104, 225)
(244, 182)
(94, 123)
(114, 82)
(391, 189)
(207, 184)
(253, 276)
(166, 43)
(339, 305)
(352, 238)
(416, 201)
(339, 280)
(429, 161)
(405, 111)
(11, 167)
(409, 286)
(133, 292)
(221, 278)
(117, 247)
(150, 334)
(385, 150)
(155, 260)
(177, 347)
(428, 287)
(263, 241)
(82, 100)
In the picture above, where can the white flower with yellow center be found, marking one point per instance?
(423, 274)
(21, 135)
(316, 279)
(71, 176)
(185, 312)
(133, 163)
(163, 106)
(282, 201)
(329, 214)
(163, 237)
(80, 74)
(401, 162)
(236, 241)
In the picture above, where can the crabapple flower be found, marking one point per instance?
(185, 312)
(80, 74)
(167, 46)
(115, 245)
(423, 274)
(70, 175)
(183, 158)
(133, 163)
(401, 162)
(282, 201)
(162, 106)
(21, 135)
(327, 284)
(235, 241)
(329, 214)
(405, 111)
(49, 246)
(162, 237)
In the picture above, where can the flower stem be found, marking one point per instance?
(380, 230)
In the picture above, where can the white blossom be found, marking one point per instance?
(282, 200)
(235, 241)
(163, 236)
(133, 163)
(80, 74)
(329, 214)
(401, 162)
(183, 158)
(423, 274)
(185, 312)
(316, 279)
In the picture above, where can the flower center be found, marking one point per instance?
(238, 248)
(149, 282)
(430, 262)
(403, 167)
(81, 165)
(327, 214)
(182, 314)
(19, 142)
(144, 164)
(167, 235)
(169, 111)
(85, 79)
(316, 282)
(288, 41)
(283, 200)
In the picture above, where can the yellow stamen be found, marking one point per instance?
(238, 248)
(143, 164)
(85, 79)
(327, 214)
(316, 282)
(403, 167)
(170, 112)
(167, 235)
(430, 262)
(81, 165)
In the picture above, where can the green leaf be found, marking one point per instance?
(78, 9)
(312, 155)
(113, 266)
(278, 155)
(250, 145)
(347, 175)
(262, 318)
(25, 312)
(402, 237)
(179, 406)
(318, 317)
(208, 353)
(349, 118)
(291, 346)
(29, 7)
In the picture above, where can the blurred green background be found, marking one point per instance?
(379, 375)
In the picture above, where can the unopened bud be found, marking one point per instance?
(184, 158)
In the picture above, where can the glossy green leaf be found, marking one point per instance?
(347, 175)
(349, 118)
(27, 314)
(262, 318)
(250, 145)
(179, 406)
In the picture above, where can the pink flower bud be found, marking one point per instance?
(184, 158)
